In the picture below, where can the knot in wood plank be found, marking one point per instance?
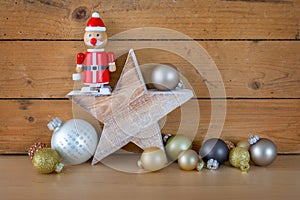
(80, 13)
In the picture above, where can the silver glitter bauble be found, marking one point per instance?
(165, 77)
(263, 152)
(75, 140)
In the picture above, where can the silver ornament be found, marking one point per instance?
(75, 140)
(263, 152)
(164, 77)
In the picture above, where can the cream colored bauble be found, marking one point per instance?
(153, 159)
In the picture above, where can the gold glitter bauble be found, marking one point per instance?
(239, 157)
(46, 161)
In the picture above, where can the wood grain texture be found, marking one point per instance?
(200, 19)
(248, 69)
(254, 44)
(24, 122)
(275, 182)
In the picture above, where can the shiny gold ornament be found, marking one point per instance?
(243, 143)
(153, 159)
(46, 161)
(176, 144)
(240, 157)
(188, 160)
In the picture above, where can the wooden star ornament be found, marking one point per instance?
(131, 113)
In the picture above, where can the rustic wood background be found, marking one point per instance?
(255, 45)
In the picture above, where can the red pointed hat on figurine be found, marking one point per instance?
(95, 23)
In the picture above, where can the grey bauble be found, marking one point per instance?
(214, 148)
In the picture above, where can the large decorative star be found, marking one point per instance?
(131, 113)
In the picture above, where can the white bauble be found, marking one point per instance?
(75, 140)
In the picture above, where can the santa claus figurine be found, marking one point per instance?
(96, 63)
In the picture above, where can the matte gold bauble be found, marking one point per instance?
(46, 161)
(153, 159)
(188, 160)
(239, 157)
(244, 144)
(176, 144)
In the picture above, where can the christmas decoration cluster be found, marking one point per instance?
(212, 154)
(130, 113)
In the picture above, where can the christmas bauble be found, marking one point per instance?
(46, 160)
(75, 140)
(165, 77)
(214, 148)
(239, 157)
(176, 144)
(263, 152)
(244, 144)
(188, 160)
(229, 144)
(153, 159)
(34, 148)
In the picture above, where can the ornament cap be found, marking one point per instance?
(212, 164)
(54, 124)
(59, 167)
(244, 166)
(253, 139)
(166, 138)
(200, 166)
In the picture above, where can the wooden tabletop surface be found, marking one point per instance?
(281, 180)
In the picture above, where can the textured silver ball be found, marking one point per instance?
(75, 141)
(165, 77)
(263, 152)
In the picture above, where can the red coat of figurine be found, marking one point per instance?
(95, 66)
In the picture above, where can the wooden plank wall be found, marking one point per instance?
(255, 45)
